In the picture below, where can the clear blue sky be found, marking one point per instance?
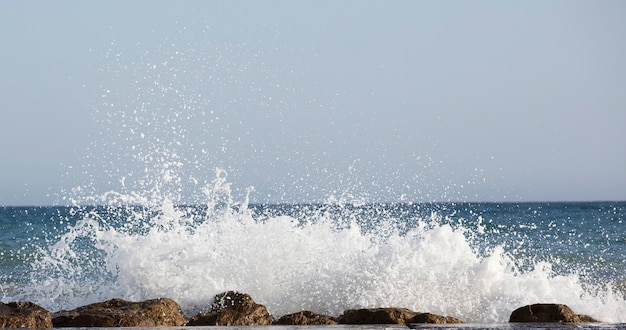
(405, 100)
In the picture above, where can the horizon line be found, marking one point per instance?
(330, 204)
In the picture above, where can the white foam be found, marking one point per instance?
(291, 264)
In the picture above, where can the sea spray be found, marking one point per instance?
(322, 257)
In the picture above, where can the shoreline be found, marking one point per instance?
(238, 310)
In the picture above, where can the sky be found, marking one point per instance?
(310, 101)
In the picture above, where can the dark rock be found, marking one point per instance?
(203, 319)
(230, 299)
(121, 313)
(377, 316)
(234, 308)
(434, 318)
(548, 313)
(24, 315)
(306, 318)
(587, 319)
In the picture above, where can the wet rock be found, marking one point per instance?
(306, 318)
(202, 319)
(377, 316)
(234, 308)
(587, 319)
(121, 313)
(548, 313)
(24, 315)
(434, 318)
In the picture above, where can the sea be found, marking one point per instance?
(164, 116)
(474, 261)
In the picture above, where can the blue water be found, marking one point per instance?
(475, 261)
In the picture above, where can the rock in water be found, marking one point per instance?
(203, 319)
(548, 313)
(434, 318)
(234, 308)
(306, 318)
(121, 313)
(377, 316)
(24, 315)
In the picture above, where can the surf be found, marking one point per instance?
(324, 257)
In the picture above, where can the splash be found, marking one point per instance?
(322, 257)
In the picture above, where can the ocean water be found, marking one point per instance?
(169, 114)
(475, 261)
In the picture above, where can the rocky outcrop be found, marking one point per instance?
(377, 316)
(234, 308)
(306, 318)
(392, 316)
(434, 319)
(548, 313)
(24, 315)
(237, 309)
(121, 313)
(203, 319)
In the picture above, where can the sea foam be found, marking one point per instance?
(317, 260)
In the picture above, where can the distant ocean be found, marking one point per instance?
(474, 261)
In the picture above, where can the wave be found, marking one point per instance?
(315, 258)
